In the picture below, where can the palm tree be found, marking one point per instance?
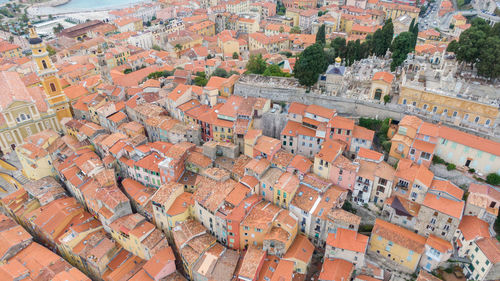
(178, 48)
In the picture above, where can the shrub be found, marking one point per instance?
(437, 160)
(493, 179)
(472, 170)
(451, 167)
(386, 145)
(365, 228)
(348, 207)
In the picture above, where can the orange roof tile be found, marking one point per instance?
(336, 270)
(301, 249)
(472, 228)
(347, 239)
(444, 205)
(439, 244)
(385, 76)
(399, 235)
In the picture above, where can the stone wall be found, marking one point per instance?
(283, 90)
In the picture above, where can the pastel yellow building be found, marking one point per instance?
(171, 205)
(448, 106)
(285, 189)
(34, 157)
(204, 28)
(394, 11)
(294, 14)
(397, 244)
(9, 50)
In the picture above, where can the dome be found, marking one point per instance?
(35, 40)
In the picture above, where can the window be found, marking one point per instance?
(487, 123)
(455, 114)
(52, 87)
(434, 109)
(404, 101)
(466, 116)
(44, 64)
(425, 107)
(476, 120)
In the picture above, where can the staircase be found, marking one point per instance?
(19, 176)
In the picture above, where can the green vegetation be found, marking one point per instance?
(220, 72)
(493, 179)
(127, 71)
(320, 35)
(158, 74)
(479, 46)
(348, 207)
(156, 48)
(462, 3)
(401, 46)
(295, 30)
(256, 64)
(287, 54)
(366, 228)
(275, 70)
(200, 79)
(438, 160)
(310, 64)
(280, 8)
(58, 28)
(380, 127)
(51, 50)
(387, 99)
(321, 13)
(451, 167)
(236, 56)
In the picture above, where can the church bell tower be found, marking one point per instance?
(47, 73)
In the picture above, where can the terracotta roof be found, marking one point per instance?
(444, 205)
(159, 261)
(426, 276)
(472, 228)
(348, 240)
(251, 261)
(385, 76)
(491, 249)
(330, 150)
(485, 189)
(301, 249)
(336, 270)
(439, 244)
(399, 235)
(370, 154)
(284, 271)
(301, 163)
(448, 187)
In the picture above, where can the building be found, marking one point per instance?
(336, 269)
(34, 157)
(453, 108)
(419, 141)
(484, 255)
(374, 179)
(437, 252)
(381, 85)
(348, 245)
(300, 253)
(56, 99)
(440, 212)
(10, 50)
(23, 112)
(483, 201)
(397, 244)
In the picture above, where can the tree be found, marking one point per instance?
(310, 64)
(452, 46)
(387, 99)
(220, 72)
(339, 45)
(178, 48)
(400, 48)
(282, 29)
(200, 79)
(489, 58)
(58, 28)
(11, 39)
(236, 56)
(256, 64)
(414, 30)
(295, 30)
(493, 179)
(320, 35)
(274, 70)
(51, 50)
